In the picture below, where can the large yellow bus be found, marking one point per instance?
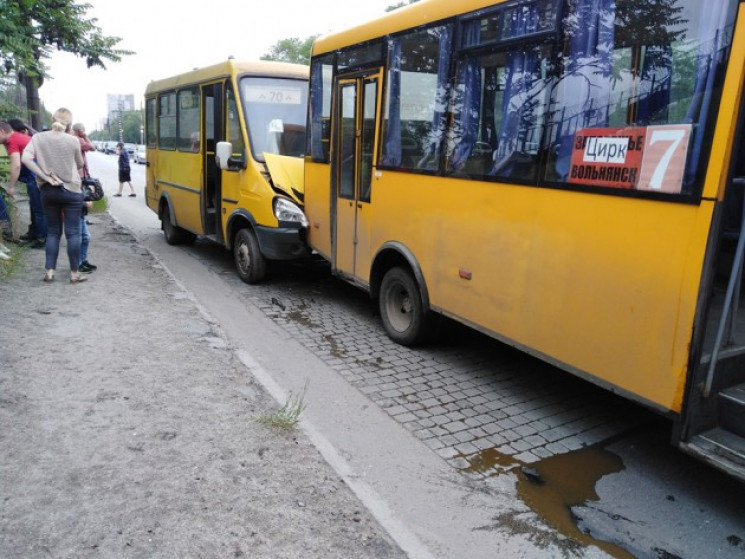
(225, 148)
(563, 175)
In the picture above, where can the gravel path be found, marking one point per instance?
(128, 428)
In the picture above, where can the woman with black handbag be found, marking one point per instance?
(78, 130)
(56, 158)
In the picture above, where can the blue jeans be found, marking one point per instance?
(62, 206)
(85, 239)
(4, 216)
(38, 219)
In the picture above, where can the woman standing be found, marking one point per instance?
(56, 159)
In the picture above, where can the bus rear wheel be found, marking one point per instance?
(249, 262)
(400, 302)
(174, 234)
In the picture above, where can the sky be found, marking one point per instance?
(174, 36)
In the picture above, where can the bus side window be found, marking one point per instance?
(417, 93)
(233, 125)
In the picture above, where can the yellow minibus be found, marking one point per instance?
(563, 175)
(225, 148)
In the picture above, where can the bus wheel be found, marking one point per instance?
(249, 261)
(174, 234)
(401, 308)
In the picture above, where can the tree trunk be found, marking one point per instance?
(33, 102)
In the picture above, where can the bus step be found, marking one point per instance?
(732, 409)
(721, 448)
(729, 353)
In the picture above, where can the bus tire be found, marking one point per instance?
(249, 262)
(401, 309)
(174, 234)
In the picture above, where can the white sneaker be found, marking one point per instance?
(4, 250)
(4, 256)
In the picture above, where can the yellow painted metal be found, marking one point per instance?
(346, 132)
(603, 285)
(225, 70)
(318, 206)
(181, 174)
(721, 153)
(287, 174)
(185, 170)
(419, 13)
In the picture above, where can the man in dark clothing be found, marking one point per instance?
(37, 229)
(124, 171)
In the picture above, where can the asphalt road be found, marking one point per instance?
(442, 490)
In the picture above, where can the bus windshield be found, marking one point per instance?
(275, 110)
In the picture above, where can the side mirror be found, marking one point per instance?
(224, 157)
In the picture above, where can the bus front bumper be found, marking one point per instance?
(282, 243)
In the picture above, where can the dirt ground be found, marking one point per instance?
(128, 428)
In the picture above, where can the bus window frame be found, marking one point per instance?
(198, 93)
(159, 118)
(151, 112)
(556, 40)
(384, 85)
(309, 141)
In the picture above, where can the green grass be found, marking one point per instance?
(288, 416)
(100, 206)
(10, 267)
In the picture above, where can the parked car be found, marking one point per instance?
(140, 155)
(131, 148)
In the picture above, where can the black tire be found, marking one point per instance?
(401, 308)
(174, 234)
(249, 262)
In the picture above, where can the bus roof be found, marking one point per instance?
(411, 16)
(228, 68)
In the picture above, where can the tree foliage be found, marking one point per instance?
(30, 30)
(292, 50)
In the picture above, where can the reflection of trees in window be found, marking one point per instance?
(167, 121)
(636, 63)
(499, 107)
(417, 97)
(320, 107)
(188, 120)
(234, 125)
(150, 119)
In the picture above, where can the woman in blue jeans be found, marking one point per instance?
(55, 158)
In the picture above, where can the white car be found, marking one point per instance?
(140, 155)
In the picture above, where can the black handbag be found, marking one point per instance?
(92, 189)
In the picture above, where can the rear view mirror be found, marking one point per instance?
(224, 157)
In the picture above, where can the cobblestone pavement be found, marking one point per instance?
(480, 404)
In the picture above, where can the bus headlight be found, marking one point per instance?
(285, 210)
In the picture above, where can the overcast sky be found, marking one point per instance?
(173, 36)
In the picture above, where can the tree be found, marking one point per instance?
(31, 29)
(291, 50)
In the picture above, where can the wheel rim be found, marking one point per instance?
(399, 308)
(244, 258)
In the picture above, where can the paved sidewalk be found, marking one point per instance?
(128, 428)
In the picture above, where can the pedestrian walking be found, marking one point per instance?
(124, 170)
(56, 158)
(78, 130)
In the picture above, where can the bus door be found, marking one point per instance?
(353, 166)
(211, 131)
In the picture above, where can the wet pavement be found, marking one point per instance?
(480, 404)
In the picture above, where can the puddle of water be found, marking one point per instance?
(565, 481)
(554, 485)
